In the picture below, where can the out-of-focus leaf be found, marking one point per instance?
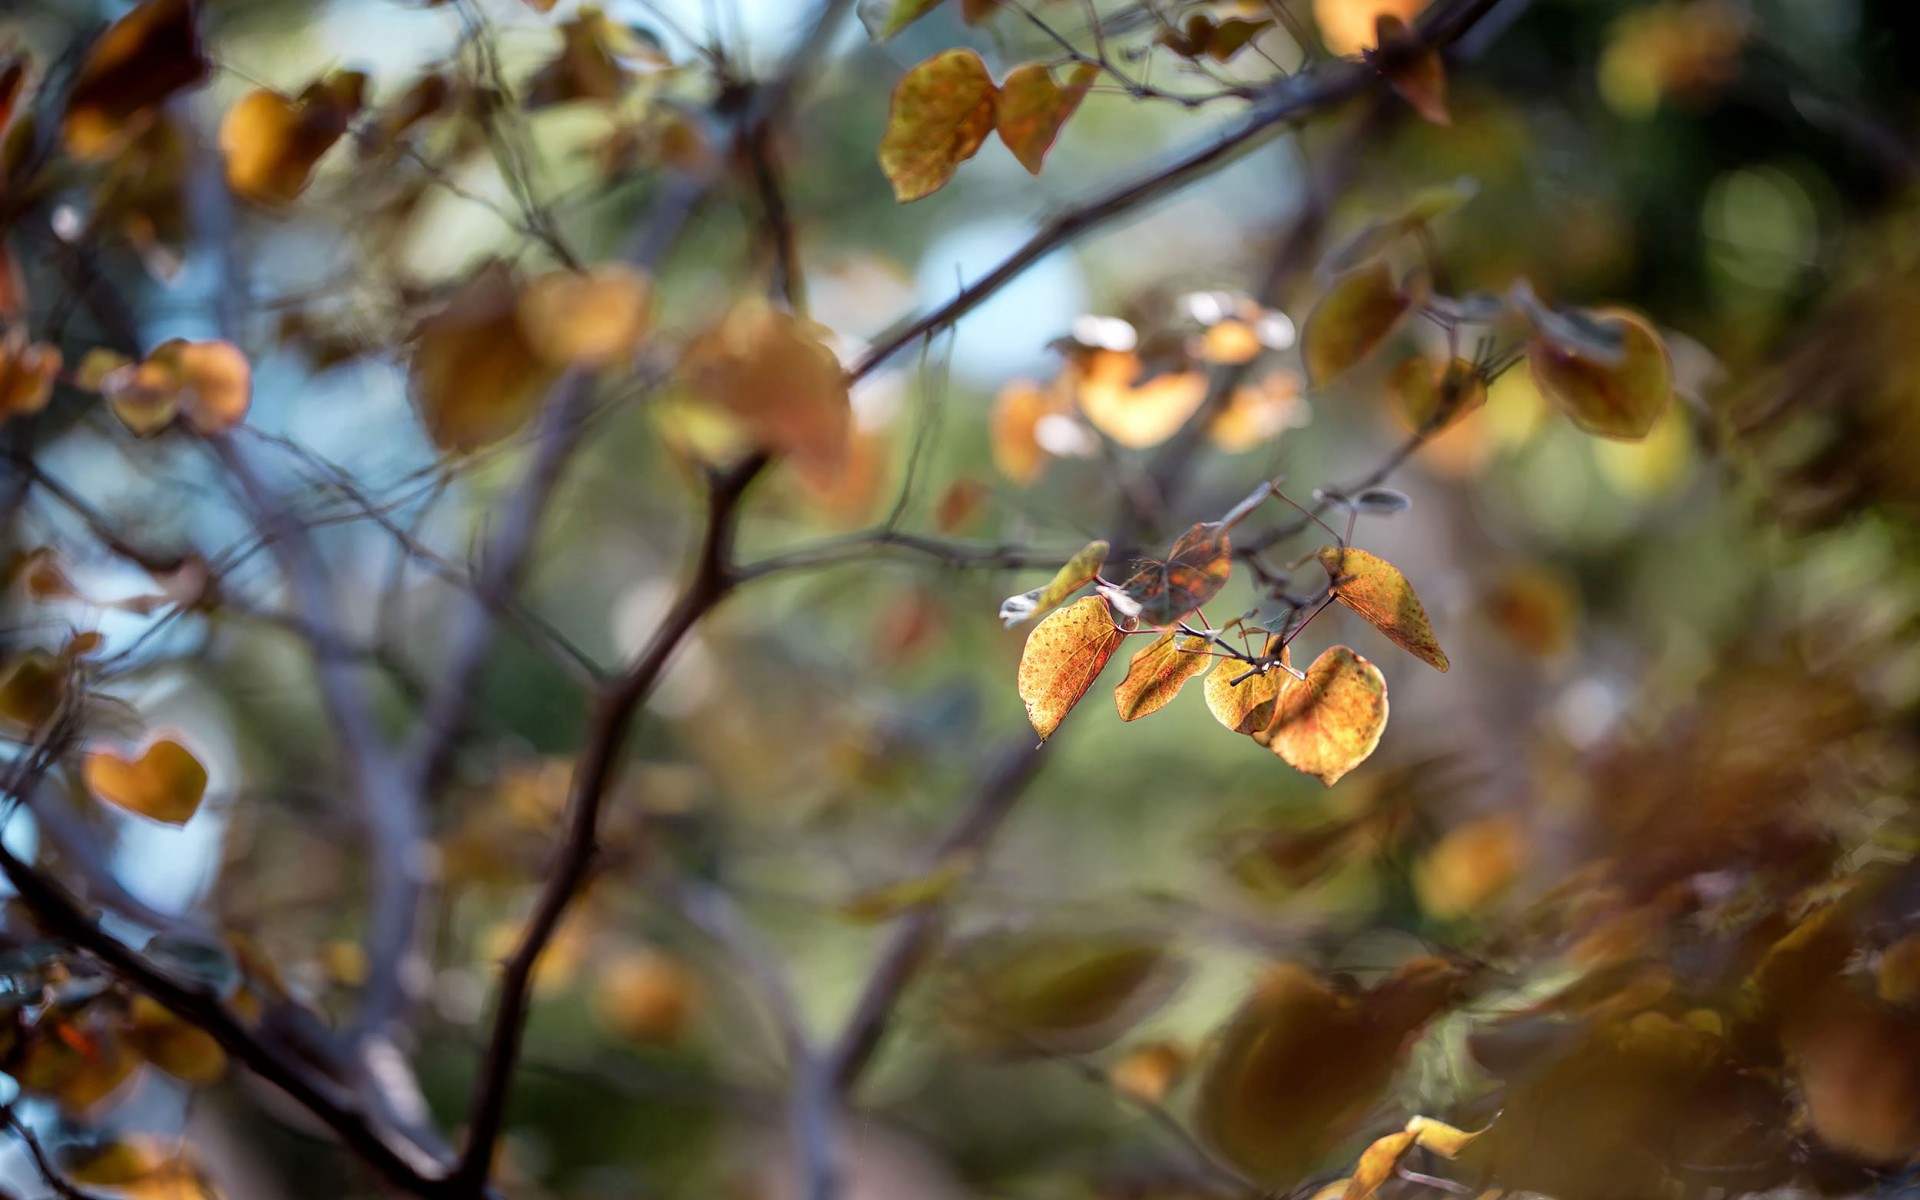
(646, 996)
(1898, 979)
(1079, 571)
(587, 318)
(1618, 399)
(166, 783)
(959, 505)
(943, 109)
(1350, 26)
(1378, 1160)
(1157, 673)
(1017, 413)
(182, 1050)
(271, 142)
(1471, 867)
(1033, 108)
(890, 900)
(1432, 396)
(141, 60)
(476, 377)
(1162, 592)
(1536, 607)
(1247, 706)
(1050, 992)
(770, 371)
(596, 53)
(31, 690)
(1415, 71)
(1063, 656)
(1328, 723)
(1375, 588)
(884, 18)
(1148, 1072)
(1136, 413)
(1358, 311)
(27, 373)
(1257, 413)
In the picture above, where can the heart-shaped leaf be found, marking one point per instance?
(1162, 592)
(1355, 315)
(1246, 706)
(1616, 399)
(1375, 588)
(943, 109)
(1033, 108)
(166, 783)
(1328, 723)
(1063, 656)
(1157, 673)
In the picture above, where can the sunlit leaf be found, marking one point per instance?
(1049, 992)
(1350, 26)
(1017, 413)
(166, 782)
(772, 372)
(271, 142)
(1617, 399)
(215, 383)
(1136, 413)
(1162, 592)
(942, 111)
(1471, 867)
(1328, 723)
(646, 996)
(1063, 656)
(1257, 413)
(1079, 571)
(587, 318)
(1157, 673)
(141, 60)
(1358, 311)
(1148, 1072)
(1247, 706)
(1375, 588)
(1033, 108)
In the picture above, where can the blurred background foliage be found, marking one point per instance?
(1684, 668)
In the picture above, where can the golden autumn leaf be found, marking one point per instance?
(1157, 673)
(1148, 1072)
(943, 109)
(1355, 315)
(272, 142)
(215, 382)
(1161, 592)
(592, 318)
(1378, 1160)
(1014, 430)
(1079, 571)
(1618, 396)
(1350, 26)
(771, 372)
(1257, 413)
(476, 377)
(165, 783)
(1329, 722)
(1433, 395)
(27, 373)
(1136, 413)
(646, 996)
(1247, 706)
(1471, 867)
(142, 59)
(1375, 588)
(1063, 656)
(1033, 108)
(182, 1050)
(1055, 992)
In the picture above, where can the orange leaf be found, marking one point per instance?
(1033, 108)
(272, 142)
(1134, 414)
(1017, 413)
(1376, 1165)
(1162, 592)
(166, 783)
(1350, 26)
(769, 370)
(1616, 399)
(1329, 722)
(143, 58)
(476, 378)
(215, 380)
(1375, 588)
(27, 372)
(1355, 315)
(1247, 706)
(590, 318)
(1157, 673)
(942, 111)
(1063, 656)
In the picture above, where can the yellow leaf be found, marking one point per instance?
(213, 381)
(1063, 656)
(644, 995)
(1349, 26)
(1329, 722)
(1136, 414)
(593, 318)
(476, 376)
(142, 59)
(1358, 311)
(272, 142)
(27, 373)
(166, 783)
(1617, 399)
(1376, 1165)
(1079, 571)
(1375, 588)
(184, 1051)
(1033, 108)
(1157, 673)
(1432, 396)
(1471, 867)
(772, 373)
(942, 111)
(1258, 413)
(1247, 706)
(1017, 413)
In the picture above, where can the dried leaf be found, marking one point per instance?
(1033, 108)
(1083, 568)
(942, 111)
(141, 60)
(1161, 593)
(1157, 673)
(271, 142)
(1616, 399)
(166, 783)
(1358, 311)
(1375, 588)
(476, 377)
(1329, 722)
(1246, 707)
(771, 372)
(1063, 656)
